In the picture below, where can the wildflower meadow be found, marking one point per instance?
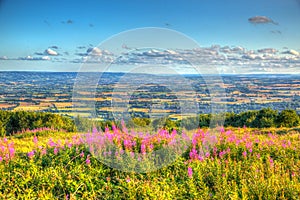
(242, 163)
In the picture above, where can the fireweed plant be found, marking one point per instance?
(243, 164)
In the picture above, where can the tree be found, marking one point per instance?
(288, 118)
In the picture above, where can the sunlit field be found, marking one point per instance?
(243, 164)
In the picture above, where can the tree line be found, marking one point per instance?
(13, 122)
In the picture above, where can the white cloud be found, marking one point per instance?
(261, 20)
(292, 52)
(34, 58)
(50, 52)
(267, 50)
(95, 51)
(3, 58)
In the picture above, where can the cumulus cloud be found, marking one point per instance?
(54, 47)
(50, 52)
(3, 58)
(291, 52)
(95, 51)
(35, 58)
(261, 20)
(232, 59)
(267, 50)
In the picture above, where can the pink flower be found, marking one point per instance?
(271, 162)
(1, 159)
(128, 180)
(293, 174)
(11, 152)
(190, 172)
(193, 154)
(88, 161)
(55, 151)
(30, 154)
(35, 140)
(207, 154)
(143, 149)
(245, 154)
(200, 158)
(258, 155)
(81, 154)
(44, 151)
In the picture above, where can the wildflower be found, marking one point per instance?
(88, 161)
(69, 145)
(55, 151)
(128, 180)
(67, 197)
(258, 155)
(200, 158)
(193, 154)
(44, 151)
(143, 149)
(228, 150)
(271, 162)
(51, 143)
(245, 154)
(190, 172)
(35, 140)
(30, 154)
(1, 159)
(207, 154)
(293, 173)
(11, 151)
(81, 154)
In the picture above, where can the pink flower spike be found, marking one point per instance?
(88, 161)
(35, 140)
(12, 152)
(44, 151)
(271, 161)
(245, 154)
(81, 154)
(30, 154)
(258, 155)
(190, 172)
(55, 151)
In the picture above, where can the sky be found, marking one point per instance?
(236, 36)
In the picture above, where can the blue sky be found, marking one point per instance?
(28, 28)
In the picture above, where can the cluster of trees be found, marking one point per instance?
(13, 122)
(264, 118)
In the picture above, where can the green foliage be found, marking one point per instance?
(65, 173)
(288, 118)
(13, 122)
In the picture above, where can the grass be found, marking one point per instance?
(243, 164)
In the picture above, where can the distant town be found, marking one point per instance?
(53, 92)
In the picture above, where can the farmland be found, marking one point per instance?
(53, 92)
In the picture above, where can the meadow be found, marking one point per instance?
(243, 163)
